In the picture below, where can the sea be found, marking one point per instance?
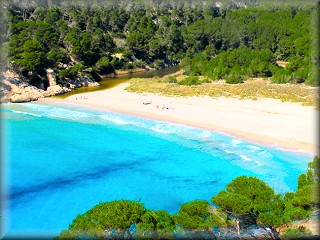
(59, 161)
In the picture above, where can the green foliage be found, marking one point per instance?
(234, 78)
(189, 81)
(56, 55)
(296, 233)
(115, 215)
(229, 43)
(32, 56)
(194, 215)
(308, 186)
(235, 203)
(71, 72)
(171, 79)
(155, 225)
(104, 65)
(251, 196)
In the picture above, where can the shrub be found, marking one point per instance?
(234, 78)
(104, 65)
(171, 79)
(296, 233)
(189, 81)
(194, 215)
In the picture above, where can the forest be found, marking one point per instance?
(226, 40)
(246, 201)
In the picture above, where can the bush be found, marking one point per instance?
(104, 65)
(72, 71)
(189, 81)
(194, 215)
(281, 76)
(171, 79)
(296, 233)
(234, 78)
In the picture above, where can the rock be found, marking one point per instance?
(13, 89)
(26, 94)
(51, 76)
(55, 90)
(82, 82)
(93, 84)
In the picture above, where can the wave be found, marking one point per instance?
(252, 147)
(57, 112)
(236, 141)
(245, 158)
(160, 130)
(227, 151)
(27, 113)
(116, 120)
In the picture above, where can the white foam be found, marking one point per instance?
(160, 130)
(115, 120)
(245, 158)
(236, 141)
(67, 114)
(254, 147)
(56, 112)
(258, 163)
(26, 113)
(227, 151)
(206, 134)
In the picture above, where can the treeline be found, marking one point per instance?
(85, 39)
(246, 201)
(248, 42)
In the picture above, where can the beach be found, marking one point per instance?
(269, 122)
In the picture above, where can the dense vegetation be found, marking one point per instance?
(229, 40)
(248, 42)
(245, 201)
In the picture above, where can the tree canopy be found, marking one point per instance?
(230, 40)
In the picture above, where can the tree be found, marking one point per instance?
(246, 197)
(194, 215)
(115, 217)
(32, 56)
(155, 225)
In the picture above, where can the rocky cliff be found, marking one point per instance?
(15, 88)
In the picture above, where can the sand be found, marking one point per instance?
(269, 122)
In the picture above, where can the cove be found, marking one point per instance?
(59, 161)
(109, 82)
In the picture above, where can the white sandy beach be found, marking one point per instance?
(266, 121)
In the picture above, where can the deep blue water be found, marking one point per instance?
(59, 161)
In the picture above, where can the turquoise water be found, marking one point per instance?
(60, 161)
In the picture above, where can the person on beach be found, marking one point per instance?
(147, 103)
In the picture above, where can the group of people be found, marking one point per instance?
(82, 97)
(164, 107)
(158, 106)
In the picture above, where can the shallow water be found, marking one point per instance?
(109, 82)
(60, 161)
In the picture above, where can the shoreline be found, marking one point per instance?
(268, 122)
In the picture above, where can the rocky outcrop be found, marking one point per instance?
(51, 76)
(14, 89)
(82, 82)
(226, 233)
(53, 88)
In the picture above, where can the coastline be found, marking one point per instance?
(269, 122)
